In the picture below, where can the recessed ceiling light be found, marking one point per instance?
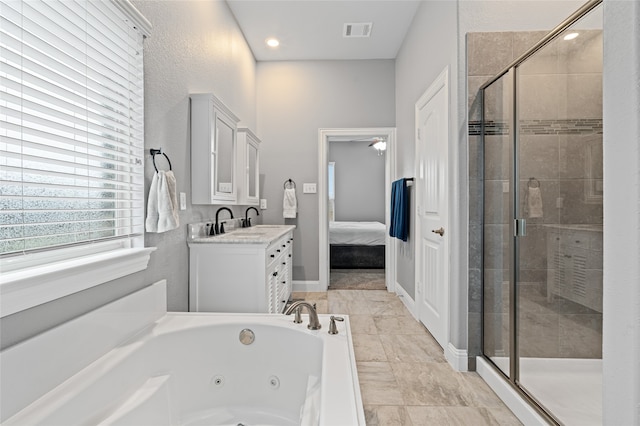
(273, 42)
(571, 36)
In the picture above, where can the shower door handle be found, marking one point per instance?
(438, 231)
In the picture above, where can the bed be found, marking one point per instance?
(357, 245)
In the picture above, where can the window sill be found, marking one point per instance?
(24, 289)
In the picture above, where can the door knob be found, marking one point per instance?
(438, 231)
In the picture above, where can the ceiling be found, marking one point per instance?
(312, 29)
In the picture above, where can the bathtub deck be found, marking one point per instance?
(404, 377)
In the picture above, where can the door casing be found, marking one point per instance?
(323, 227)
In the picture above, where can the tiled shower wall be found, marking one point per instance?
(555, 129)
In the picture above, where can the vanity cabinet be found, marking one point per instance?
(240, 276)
(213, 151)
(248, 167)
(574, 270)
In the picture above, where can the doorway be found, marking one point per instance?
(357, 242)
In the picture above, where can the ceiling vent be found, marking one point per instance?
(357, 30)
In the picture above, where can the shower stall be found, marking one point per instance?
(542, 221)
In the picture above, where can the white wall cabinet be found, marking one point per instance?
(241, 277)
(248, 167)
(213, 151)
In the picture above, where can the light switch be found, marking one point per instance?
(183, 201)
(263, 203)
(309, 188)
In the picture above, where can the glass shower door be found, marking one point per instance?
(542, 185)
(559, 255)
(498, 209)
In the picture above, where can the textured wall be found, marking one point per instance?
(429, 47)
(195, 46)
(359, 181)
(621, 369)
(295, 99)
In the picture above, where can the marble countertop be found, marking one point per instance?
(258, 234)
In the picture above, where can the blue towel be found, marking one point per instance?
(399, 210)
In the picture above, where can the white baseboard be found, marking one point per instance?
(457, 358)
(522, 410)
(308, 286)
(407, 300)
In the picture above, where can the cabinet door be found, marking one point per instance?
(248, 167)
(224, 159)
(272, 289)
(253, 172)
(213, 151)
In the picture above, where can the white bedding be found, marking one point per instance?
(357, 233)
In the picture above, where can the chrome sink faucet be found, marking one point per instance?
(314, 324)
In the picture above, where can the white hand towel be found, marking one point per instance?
(289, 204)
(162, 205)
(533, 202)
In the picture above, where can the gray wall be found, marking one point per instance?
(429, 47)
(359, 180)
(295, 99)
(195, 46)
(621, 328)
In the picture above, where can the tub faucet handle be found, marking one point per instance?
(332, 325)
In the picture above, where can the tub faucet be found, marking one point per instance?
(314, 324)
(247, 219)
(220, 230)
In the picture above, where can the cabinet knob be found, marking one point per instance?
(289, 255)
(278, 250)
(275, 274)
(284, 263)
(273, 255)
(284, 245)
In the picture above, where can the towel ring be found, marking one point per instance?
(533, 183)
(154, 152)
(289, 184)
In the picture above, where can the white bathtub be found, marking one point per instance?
(192, 369)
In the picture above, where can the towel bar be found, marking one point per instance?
(154, 152)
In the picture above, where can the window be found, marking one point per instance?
(71, 129)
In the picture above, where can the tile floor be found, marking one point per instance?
(404, 377)
(357, 279)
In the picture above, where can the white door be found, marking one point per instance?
(432, 248)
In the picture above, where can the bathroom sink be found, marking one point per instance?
(247, 236)
(248, 232)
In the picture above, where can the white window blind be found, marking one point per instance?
(71, 99)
